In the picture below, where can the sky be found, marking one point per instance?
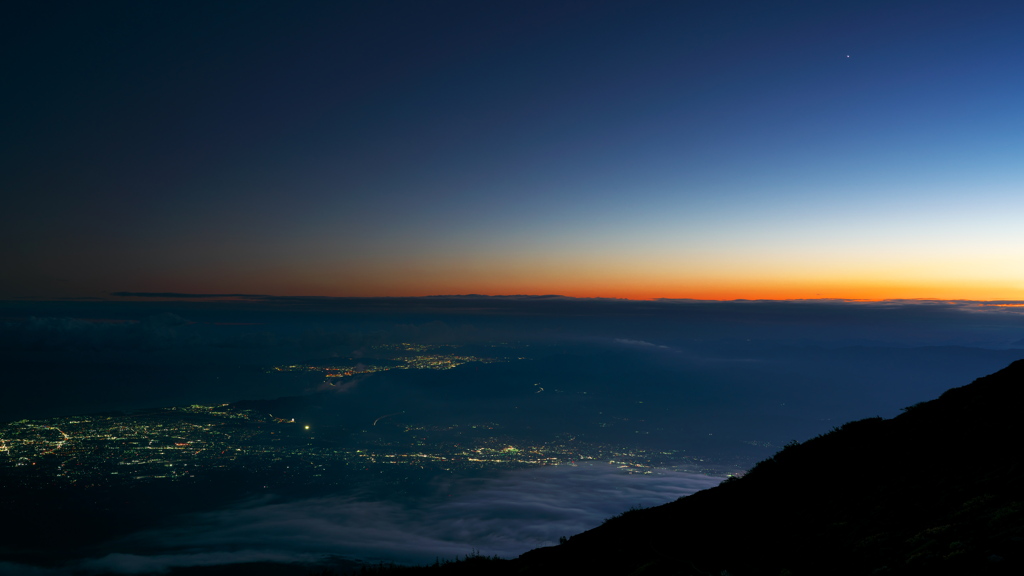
(706, 150)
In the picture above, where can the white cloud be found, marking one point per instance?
(506, 516)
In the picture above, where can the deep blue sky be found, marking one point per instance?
(640, 149)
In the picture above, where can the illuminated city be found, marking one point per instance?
(402, 356)
(192, 442)
(200, 443)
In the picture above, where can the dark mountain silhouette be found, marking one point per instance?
(937, 490)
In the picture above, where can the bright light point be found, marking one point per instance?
(307, 426)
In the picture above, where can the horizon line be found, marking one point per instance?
(171, 296)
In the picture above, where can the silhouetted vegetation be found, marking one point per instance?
(472, 563)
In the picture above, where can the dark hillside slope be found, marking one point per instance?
(936, 490)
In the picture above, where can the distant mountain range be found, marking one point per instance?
(938, 489)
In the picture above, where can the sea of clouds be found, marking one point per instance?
(504, 515)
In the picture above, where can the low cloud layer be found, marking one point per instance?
(504, 516)
(265, 322)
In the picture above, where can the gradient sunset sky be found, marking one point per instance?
(709, 150)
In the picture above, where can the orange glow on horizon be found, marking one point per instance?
(636, 280)
(999, 296)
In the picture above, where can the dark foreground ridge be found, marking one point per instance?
(936, 490)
